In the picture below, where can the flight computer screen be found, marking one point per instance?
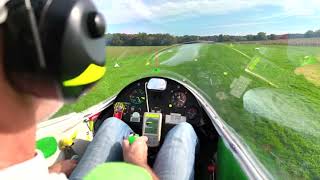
(151, 126)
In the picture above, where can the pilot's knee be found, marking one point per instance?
(186, 129)
(112, 123)
(185, 126)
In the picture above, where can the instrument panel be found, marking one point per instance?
(175, 100)
(175, 103)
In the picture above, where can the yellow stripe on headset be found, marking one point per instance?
(90, 75)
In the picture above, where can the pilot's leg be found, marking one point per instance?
(106, 146)
(177, 155)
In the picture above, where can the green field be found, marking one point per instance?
(269, 94)
(132, 62)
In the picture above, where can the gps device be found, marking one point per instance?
(152, 128)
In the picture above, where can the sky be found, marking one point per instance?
(210, 17)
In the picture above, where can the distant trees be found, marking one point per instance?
(317, 33)
(309, 34)
(187, 38)
(312, 34)
(141, 39)
(272, 37)
(144, 39)
(250, 37)
(261, 36)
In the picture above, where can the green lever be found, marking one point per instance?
(132, 138)
(47, 145)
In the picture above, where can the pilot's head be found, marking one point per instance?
(51, 51)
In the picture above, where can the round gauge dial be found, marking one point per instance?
(179, 99)
(137, 96)
(192, 113)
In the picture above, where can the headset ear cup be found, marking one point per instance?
(67, 46)
(79, 50)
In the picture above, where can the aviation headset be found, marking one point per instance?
(53, 48)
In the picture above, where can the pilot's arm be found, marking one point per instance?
(64, 166)
(137, 154)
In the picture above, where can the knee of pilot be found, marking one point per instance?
(186, 129)
(111, 122)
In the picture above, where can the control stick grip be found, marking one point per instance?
(132, 138)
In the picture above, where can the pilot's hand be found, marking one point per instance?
(137, 152)
(64, 166)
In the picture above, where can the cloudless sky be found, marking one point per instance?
(211, 17)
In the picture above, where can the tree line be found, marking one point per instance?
(144, 39)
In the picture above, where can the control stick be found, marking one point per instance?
(132, 138)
